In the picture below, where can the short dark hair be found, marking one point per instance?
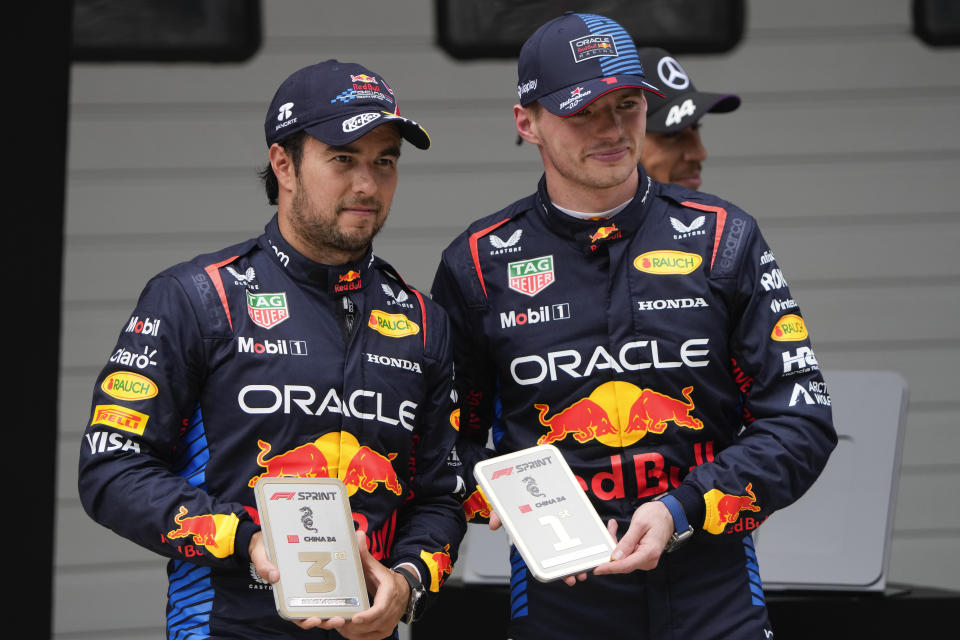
(535, 109)
(293, 145)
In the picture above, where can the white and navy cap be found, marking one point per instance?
(336, 103)
(572, 60)
(680, 105)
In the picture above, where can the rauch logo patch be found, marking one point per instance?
(667, 262)
(393, 325)
(126, 385)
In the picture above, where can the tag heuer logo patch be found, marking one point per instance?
(267, 309)
(530, 277)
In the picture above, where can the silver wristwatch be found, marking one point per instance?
(417, 596)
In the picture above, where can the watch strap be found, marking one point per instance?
(680, 523)
(416, 602)
(682, 531)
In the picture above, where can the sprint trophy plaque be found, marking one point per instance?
(545, 511)
(309, 535)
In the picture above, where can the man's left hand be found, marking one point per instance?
(390, 595)
(642, 545)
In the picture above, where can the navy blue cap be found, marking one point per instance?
(680, 104)
(572, 60)
(336, 103)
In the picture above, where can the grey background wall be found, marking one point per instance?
(846, 147)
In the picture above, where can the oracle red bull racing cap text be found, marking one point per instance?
(572, 60)
(336, 103)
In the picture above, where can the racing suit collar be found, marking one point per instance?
(337, 279)
(593, 236)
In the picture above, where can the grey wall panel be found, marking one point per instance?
(801, 192)
(928, 366)
(826, 14)
(918, 491)
(922, 559)
(852, 315)
(932, 438)
(123, 603)
(86, 544)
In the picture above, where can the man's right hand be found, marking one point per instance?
(258, 555)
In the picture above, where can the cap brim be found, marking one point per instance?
(345, 129)
(565, 102)
(680, 118)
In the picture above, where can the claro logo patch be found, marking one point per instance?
(667, 262)
(126, 385)
(393, 325)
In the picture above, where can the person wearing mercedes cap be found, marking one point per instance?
(636, 326)
(296, 353)
(672, 150)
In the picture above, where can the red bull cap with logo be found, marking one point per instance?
(572, 60)
(336, 103)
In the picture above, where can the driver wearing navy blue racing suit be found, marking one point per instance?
(647, 331)
(298, 353)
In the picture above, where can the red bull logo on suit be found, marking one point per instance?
(618, 414)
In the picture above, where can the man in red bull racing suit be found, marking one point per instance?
(298, 353)
(646, 331)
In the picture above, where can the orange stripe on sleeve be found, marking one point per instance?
(721, 222)
(213, 270)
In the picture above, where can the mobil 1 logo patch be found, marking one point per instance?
(545, 313)
(278, 347)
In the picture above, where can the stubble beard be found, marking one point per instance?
(322, 230)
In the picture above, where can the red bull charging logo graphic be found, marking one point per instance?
(440, 566)
(618, 414)
(332, 455)
(476, 506)
(215, 531)
(724, 508)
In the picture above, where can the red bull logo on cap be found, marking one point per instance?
(215, 531)
(724, 508)
(618, 414)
